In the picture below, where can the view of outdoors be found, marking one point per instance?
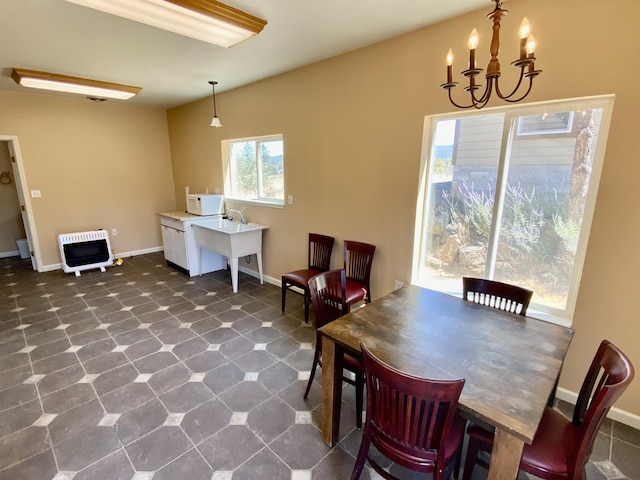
(256, 169)
(506, 199)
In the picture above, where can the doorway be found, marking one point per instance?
(17, 235)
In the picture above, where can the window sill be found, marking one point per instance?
(262, 203)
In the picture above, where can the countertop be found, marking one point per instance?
(183, 216)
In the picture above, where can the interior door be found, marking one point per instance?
(25, 206)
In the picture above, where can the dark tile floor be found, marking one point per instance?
(141, 372)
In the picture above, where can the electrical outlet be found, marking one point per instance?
(36, 194)
(290, 199)
(114, 232)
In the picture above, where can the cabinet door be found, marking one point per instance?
(168, 243)
(180, 249)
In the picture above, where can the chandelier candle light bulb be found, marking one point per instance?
(524, 36)
(473, 44)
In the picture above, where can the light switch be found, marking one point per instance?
(290, 199)
(36, 194)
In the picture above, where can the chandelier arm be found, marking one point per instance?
(509, 99)
(454, 102)
(475, 103)
(486, 95)
(515, 89)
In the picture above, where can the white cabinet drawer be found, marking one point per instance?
(172, 223)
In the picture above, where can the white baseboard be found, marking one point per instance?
(273, 281)
(255, 274)
(616, 414)
(12, 253)
(133, 253)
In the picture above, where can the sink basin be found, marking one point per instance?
(232, 240)
(230, 227)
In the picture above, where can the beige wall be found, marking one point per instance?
(11, 227)
(97, 165)
(352, 128)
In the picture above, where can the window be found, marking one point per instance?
(254, 169)
(508, 194)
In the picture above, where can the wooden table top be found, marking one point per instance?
(510, 362)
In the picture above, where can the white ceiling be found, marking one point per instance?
(61, 37)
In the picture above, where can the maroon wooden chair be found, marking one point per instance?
(503, 296)
(328, 299)
(410, 420)
(562, 447)
(358, 258)
(318, 261)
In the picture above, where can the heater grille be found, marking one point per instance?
(85, 250)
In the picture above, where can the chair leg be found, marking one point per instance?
(458, 463)
(470, 460)
(359, 398)
(307, 299)
(551, 401)
(316, 357)
(362, 455)
(284, 293)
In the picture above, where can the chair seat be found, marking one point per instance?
(555, 438)
(456, 435)
(300, 277)
(352, 364)
(355, 291)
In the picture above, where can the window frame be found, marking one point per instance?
(549, 131)
(605, 102)
(226, 169)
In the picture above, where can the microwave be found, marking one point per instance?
(205, 204)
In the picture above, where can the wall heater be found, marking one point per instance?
(85, 250)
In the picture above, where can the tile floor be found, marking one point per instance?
(142, 372)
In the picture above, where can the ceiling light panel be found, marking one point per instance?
(206, 20)
(68, 84)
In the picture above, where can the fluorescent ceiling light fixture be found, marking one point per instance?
(207, 20)
(65, 83)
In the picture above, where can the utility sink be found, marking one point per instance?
(231, 239)
(227, 226)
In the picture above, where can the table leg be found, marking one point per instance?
(234, 273)
(331, 391)
(259, 257)
(505, 456)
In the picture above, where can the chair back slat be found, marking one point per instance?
(320, 247)
(499, 295)
(410, 417)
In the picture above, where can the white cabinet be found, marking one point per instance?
(175, 246)
(180, 247)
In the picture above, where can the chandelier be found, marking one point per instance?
(526, 64)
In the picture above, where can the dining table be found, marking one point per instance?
(510, 362)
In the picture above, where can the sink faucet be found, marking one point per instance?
(242, 219)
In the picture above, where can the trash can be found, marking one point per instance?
(23, 248)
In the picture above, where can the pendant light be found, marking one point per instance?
(215, 121)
